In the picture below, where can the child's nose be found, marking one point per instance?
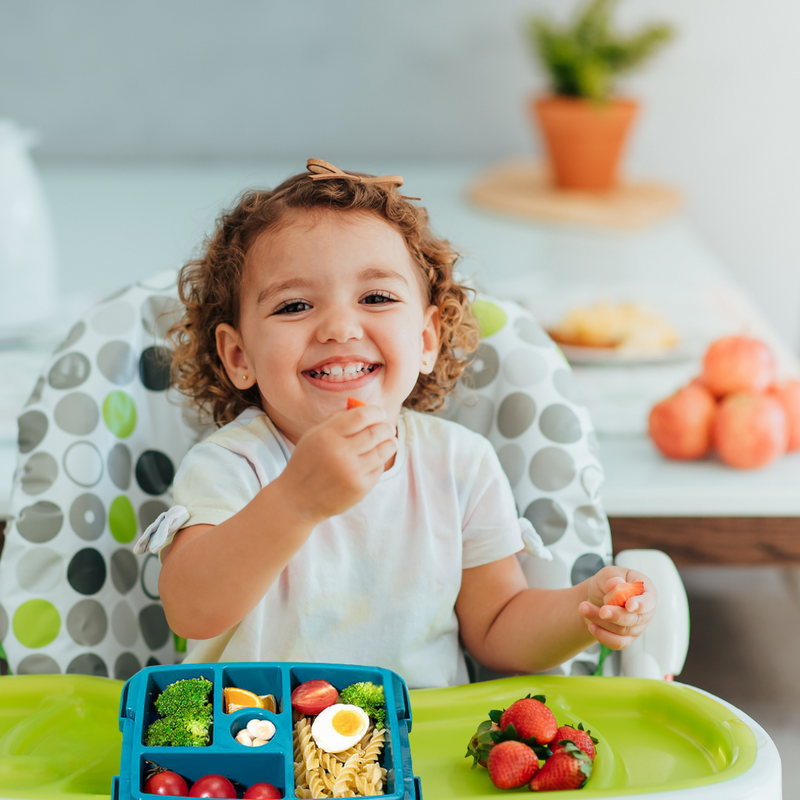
(339, 325)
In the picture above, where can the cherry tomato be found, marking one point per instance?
(167, 783)
(212, 786)
(262, 791)
(313, 696)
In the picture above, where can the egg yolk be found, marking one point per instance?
(346, 722)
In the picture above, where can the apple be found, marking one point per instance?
(750, 430)
(738, 364)
(681, 425)
(788, 395)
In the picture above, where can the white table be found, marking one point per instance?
(116, 223)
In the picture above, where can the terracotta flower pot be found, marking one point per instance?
(584, 139)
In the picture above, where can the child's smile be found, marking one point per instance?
(332, 305)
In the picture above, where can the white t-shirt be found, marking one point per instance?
(376, 585)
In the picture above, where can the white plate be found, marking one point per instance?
(686, 351)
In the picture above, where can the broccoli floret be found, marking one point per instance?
(187, 729)
(184, 695)
(368, 696)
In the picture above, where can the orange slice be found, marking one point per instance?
(235, 698)
(268, 701)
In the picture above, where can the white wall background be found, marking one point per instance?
(196, 79)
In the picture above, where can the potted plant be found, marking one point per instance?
(584, 123)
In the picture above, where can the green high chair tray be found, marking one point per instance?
(60, 740)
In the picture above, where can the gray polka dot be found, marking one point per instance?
(124, 570)
(159, 314)
(88, 516)
(475, 413)
(126, 666)
(582, 668)
(564, 382)
(87, 623)
(594, 445)
(88, 664)
(148, 512)
(117, 362)
(36, 394)
(560, 424)
(38, 664)
(484, 367)
(40, 522)
(83, 464)
(3, 623)
(525, 367)
(548, 518)
(591, 525)
(39, 473)
(73, 336)
(515, 415)
(69, 371)
(512, 460)
(124, 625)
(153, 625)
(592, 481)
(77, 414)
(32, 429)
(114, 319)
(40, 570)
(552, 469)
(531, 332)
(585, 566)
(120, 466)
(149, 577)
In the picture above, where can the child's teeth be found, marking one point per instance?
(336, 370)
(349, 369)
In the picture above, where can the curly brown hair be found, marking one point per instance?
(209, 287)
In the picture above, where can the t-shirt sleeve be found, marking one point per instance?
(491, 529)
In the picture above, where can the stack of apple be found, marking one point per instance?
(735, 407)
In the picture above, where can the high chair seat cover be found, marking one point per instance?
(102, 435)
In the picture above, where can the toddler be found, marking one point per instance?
(382, 534)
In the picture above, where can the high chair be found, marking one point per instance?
(102, 435)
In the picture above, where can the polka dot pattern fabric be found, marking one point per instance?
(519, 393)
(99, 442)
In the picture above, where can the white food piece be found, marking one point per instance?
(338, 727)
(259, 742)
(261, 729)
(243, 737)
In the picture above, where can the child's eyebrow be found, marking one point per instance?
(378, 273)
(284, 286)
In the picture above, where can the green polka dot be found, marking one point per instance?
(119, 413)
(491, 318)
(122, 519)
(36, 623)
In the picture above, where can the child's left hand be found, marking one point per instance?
(617, 626)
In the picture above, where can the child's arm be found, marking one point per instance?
(212, 576)
(511, 628)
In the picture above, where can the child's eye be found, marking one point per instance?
(292, 307)
(378, 298)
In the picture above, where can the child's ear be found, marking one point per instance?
(233, 356)
(431, 332)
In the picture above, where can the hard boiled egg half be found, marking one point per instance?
(339, 727)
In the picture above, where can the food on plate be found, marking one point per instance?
(186, 715)
(234, 698)
(312, 697)
(339, 727)
(482, 742)
(569, 768)
(619, 326)
(750, 430)
(262, 791)
(511, 765)
(257, 732)
(368, 696)
(681, 425)
(531, 718)
(788, 395)
(581, 738)
(623, 592)
(212, 786)
(353, 402)
(166, 782)
(738, 364)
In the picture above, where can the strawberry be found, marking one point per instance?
(569, 768)
(530, 717)
(511, 765)
(353, 402)
(578, 736)
(622, 592)
(481, 743)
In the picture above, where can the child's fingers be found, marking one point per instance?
(377, 457)
(371, 437)
(611, 583)
(351, 421)
(615, 619)
(614, 641)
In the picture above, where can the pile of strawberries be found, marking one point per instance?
(511, 744)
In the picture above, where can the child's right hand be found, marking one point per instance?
(337, 462)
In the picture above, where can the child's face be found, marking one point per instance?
(331, 307)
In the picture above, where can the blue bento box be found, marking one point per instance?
(245, 766)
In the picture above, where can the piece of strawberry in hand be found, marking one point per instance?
(623, 592)
(352, 402)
